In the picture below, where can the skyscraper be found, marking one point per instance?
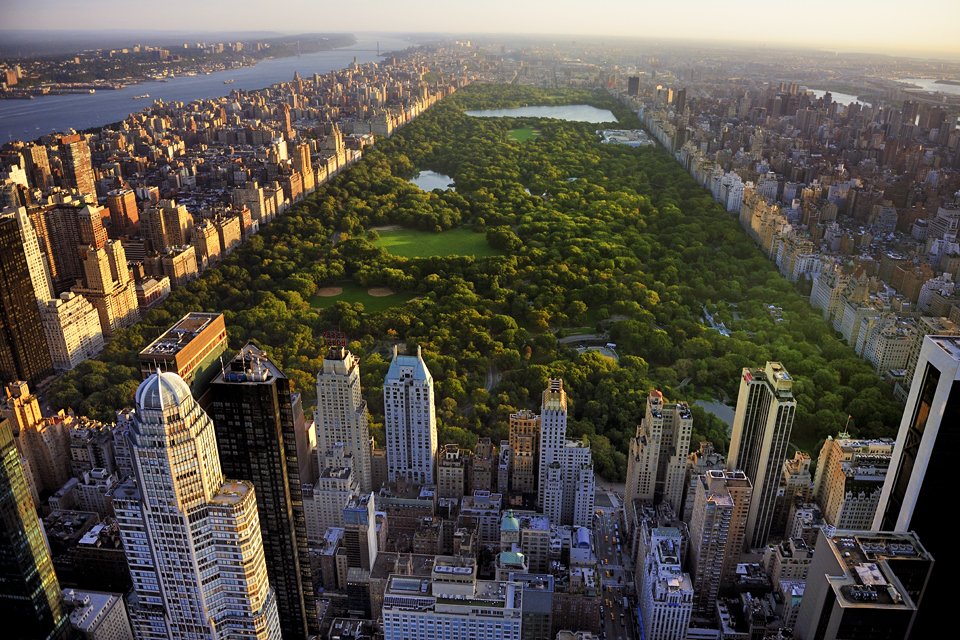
(77, 166)
(252, 411)
(409, 419)
(23, 346)
(30, 601)
(666, 597)
(566, 485)
(124, 215)
(525, 446)
(36, 263)
(341, 415)
(192, 537)
(867, 584)
(913, 496)
(717, 526)
(72, 327)
(657, 461)
(553, 437)
(109, 287)
(850, 477)
(758, 446)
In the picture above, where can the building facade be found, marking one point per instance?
(192, 538)
(761, 432)
(410, 420)
(341, 415)
(72, 327)
(657, 459)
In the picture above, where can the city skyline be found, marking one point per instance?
(570, 318)
(926, 29)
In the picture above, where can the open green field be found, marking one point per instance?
(352, 292)
(412, 243)
(523, 134)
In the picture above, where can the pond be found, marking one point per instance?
(570, 112)
(430, 180)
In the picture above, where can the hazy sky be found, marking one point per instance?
(874, 25)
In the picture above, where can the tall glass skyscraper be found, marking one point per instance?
(30, 602)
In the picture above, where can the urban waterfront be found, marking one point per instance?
(30, 119)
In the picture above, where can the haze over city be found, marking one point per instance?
(880, 26)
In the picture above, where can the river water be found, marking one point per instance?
(29, 119)
(843, 98)
(929, 84)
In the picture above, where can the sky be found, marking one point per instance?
(893, 26)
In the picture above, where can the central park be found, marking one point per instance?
(548, 232)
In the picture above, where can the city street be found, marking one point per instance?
(615, 570)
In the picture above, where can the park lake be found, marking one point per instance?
(569, 112)
(430, 180)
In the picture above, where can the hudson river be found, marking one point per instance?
(29, 119)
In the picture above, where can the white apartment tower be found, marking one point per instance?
(192, 538)
(409, 420)
(657, 461)
(666, 599)
(758, 446)
(553, 436)
(566, 485)
(341, 416)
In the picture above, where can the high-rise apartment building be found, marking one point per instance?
(30, 599)
(450, 472)
(922, 463)
(657, 459)
(43, 442)
(758, 446)
(717, 528)
(409, 419)
(77, 166)
(566, 484)
(525, 447)
(341, 415)
(23, 347)
(37, 162)
(850, 477)
(866, 584)
(191, 536)
(666, 592)
(124, 214)
(452, 604)
(36, 262)
(109, 287)
(166, 224)
(72, 327)
(553, 437)
(252, 410)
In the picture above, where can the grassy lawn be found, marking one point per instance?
(352, 292)
(412, 243)
(522, 134)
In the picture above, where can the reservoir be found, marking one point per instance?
(30, 119)
(570, 112)
(430, 180)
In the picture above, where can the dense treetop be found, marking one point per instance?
(594, 238)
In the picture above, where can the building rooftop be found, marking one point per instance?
(232, 492)
(179, 335)
(869, 579)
